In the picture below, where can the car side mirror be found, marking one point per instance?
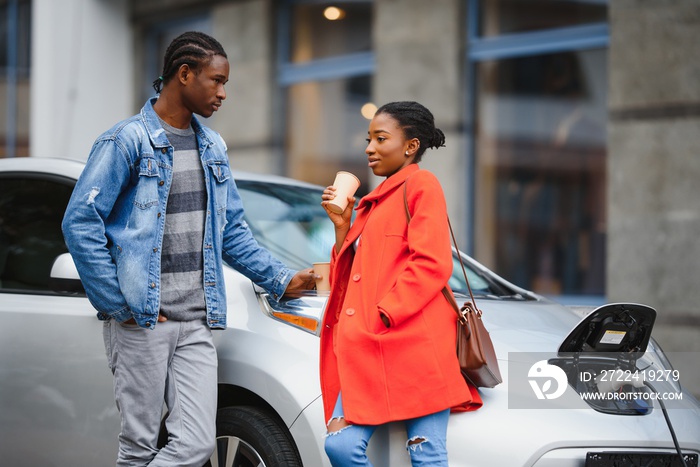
(64, 276)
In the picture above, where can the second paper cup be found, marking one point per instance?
(324, 270)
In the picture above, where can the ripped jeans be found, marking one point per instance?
(427, 440)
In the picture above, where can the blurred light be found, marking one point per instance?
(368, 110)
(333, 13)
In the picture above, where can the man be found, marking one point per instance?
(149, 222)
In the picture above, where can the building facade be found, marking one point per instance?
(572, 125)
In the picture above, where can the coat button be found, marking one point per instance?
(350, 311)
(153, 285)
(163, 150)
(356, 277)
(161, 183)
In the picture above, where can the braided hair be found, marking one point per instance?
(191, 48)
(416, 122)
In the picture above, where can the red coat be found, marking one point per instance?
(409, 369)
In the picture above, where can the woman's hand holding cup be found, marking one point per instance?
(339, 201)
(341, 219)
(339, 198)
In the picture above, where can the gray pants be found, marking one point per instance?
(176, 363)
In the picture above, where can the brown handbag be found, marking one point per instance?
(475, 352)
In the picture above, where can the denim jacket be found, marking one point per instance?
(113, 225)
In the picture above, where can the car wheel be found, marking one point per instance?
(248, 436)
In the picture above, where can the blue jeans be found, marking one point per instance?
(427, 440)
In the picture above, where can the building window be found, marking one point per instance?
(323, 30)
(498, 17)
(325, 128)
(539, 145)
(325, 73)
(15, 34)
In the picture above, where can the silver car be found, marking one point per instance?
(56, 404)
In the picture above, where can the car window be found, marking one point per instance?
(481, 283)
(31, 211)
(289, 221)
(478, 284)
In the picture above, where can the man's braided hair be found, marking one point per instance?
(192, 48)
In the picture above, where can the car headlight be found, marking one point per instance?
(303, 311)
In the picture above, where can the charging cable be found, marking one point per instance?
(668, 422)
(607, 383)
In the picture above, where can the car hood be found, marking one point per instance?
(545, 326)
(526, 326)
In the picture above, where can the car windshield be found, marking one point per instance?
(289, 221)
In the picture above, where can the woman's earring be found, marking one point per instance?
(407, 153)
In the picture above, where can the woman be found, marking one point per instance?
(387, 345)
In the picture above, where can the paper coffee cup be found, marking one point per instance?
(324, 270)
(346, 184)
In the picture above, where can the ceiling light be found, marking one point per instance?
(333, 13)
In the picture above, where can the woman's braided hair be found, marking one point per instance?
(192, 48)
(416, 122)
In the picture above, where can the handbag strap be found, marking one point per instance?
(468, 306)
